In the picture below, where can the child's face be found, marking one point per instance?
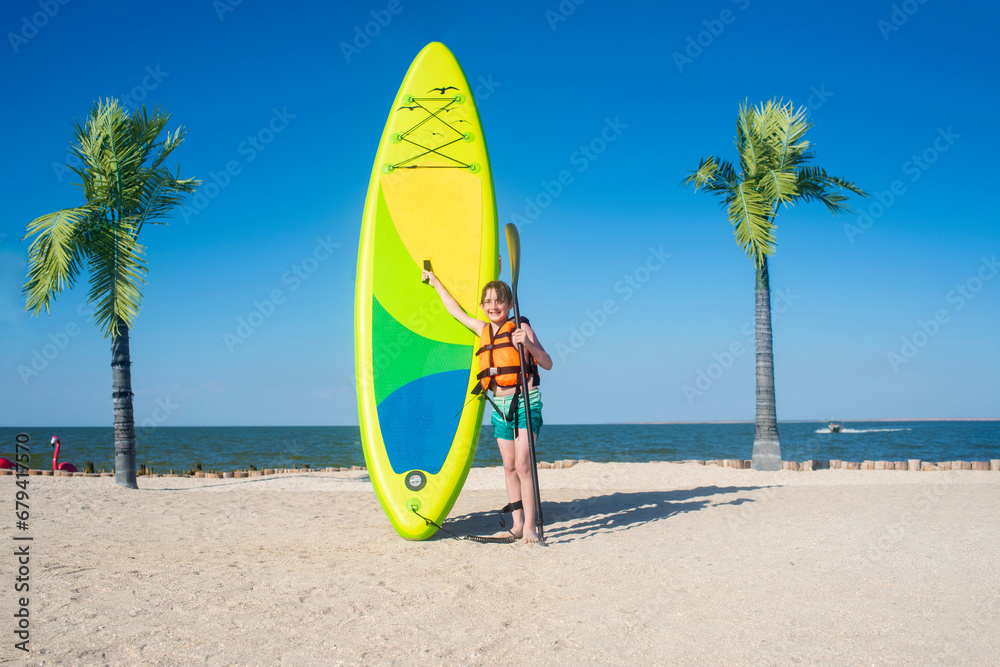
(495, 309)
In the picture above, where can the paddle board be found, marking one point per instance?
(430, 199)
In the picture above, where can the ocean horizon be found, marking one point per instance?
(181, 448)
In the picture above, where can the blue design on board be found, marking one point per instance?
(417, 426)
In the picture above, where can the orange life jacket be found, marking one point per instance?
(498, 359)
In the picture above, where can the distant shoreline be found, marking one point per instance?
(801, 421)
(643, 423)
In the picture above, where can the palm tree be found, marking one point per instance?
(125, 186)
(774, 169)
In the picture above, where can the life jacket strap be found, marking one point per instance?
(502, 370)
(489, 347)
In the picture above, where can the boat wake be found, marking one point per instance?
(862, 430)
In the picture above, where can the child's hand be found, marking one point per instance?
(519, 337)
(429, 278)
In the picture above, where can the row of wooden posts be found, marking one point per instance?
(834, 464)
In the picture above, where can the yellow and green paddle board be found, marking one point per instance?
(430, 198)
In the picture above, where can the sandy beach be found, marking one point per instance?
(665, 563)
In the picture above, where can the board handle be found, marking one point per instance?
(427, 267)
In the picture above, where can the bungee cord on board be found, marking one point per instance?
(431, 115)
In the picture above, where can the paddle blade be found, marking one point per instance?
(514, 252)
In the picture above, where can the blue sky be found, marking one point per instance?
(889, 312)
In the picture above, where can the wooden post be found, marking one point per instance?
(914, 464)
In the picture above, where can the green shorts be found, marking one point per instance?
(503, 429)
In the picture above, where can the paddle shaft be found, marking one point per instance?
(531, 435)
(514, 250)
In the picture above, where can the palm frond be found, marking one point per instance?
(750, 213)
(55, 255)
(774, 170)
(790, 144)
(815, 184)
(846, 185)
(161, 193)
(779, 186)
(703, 175)
(715, 175)
(122, 174)
(748, 147)
(117, 267)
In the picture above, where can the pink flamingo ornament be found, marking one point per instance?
(7, 463)
(68, 467)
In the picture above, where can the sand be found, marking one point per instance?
(664, 563)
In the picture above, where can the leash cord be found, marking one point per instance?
(507, 539)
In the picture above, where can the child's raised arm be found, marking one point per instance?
(452, 306)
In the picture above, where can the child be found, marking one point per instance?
(511, 433)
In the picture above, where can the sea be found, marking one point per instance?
(224, 448)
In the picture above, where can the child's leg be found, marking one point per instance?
(522, 469)
(512, 482)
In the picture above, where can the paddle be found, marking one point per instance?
(514, 250)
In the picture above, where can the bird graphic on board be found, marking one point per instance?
(443, 89)
(68, 467)
(6, 464)
(413, 108)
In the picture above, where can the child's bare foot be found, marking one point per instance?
(530, 536)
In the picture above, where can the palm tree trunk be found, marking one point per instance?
(766, 450)
(121, 386)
